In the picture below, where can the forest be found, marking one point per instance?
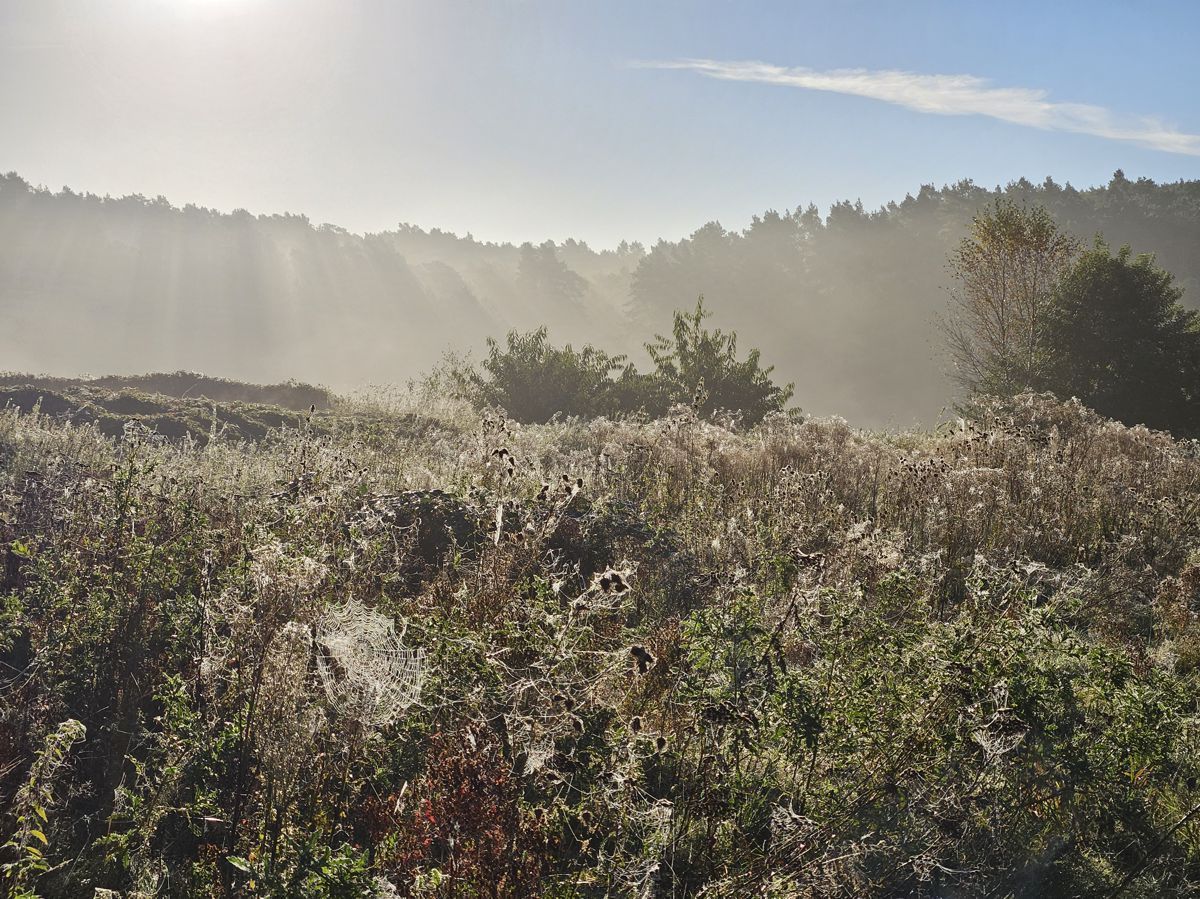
(843, 303)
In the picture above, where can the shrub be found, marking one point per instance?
(701, 366)
(533, 381)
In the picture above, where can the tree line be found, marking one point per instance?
(1031, 309)
(843, 301)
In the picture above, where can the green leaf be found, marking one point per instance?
(240, 863)
(41, 836)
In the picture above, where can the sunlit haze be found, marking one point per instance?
(533, 119)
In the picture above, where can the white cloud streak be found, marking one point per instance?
(953, 95)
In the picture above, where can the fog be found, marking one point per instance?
(843, 301)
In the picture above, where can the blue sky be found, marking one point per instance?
(532, 119)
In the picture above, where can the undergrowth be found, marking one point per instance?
(601, 658)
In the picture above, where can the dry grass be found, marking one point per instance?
(959, 663)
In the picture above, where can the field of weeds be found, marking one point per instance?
(600, 658)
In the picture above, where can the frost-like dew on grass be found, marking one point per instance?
(284, 701)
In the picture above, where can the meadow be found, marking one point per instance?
(355, 656)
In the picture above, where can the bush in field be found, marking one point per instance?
(533, 380)
(701, 366)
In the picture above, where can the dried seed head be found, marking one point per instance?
(613, 583)
(644, 658)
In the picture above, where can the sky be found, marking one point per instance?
(524, 120)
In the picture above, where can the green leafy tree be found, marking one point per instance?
(696, 364)
(1004, 273)
(1119, 340)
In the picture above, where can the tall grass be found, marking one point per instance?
(665, 658)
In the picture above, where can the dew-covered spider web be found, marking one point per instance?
(368, 673)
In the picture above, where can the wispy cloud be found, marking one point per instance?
(953, 95)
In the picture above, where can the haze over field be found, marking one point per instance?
(844, 301)
(585, 148)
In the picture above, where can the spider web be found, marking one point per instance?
(368, 673)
